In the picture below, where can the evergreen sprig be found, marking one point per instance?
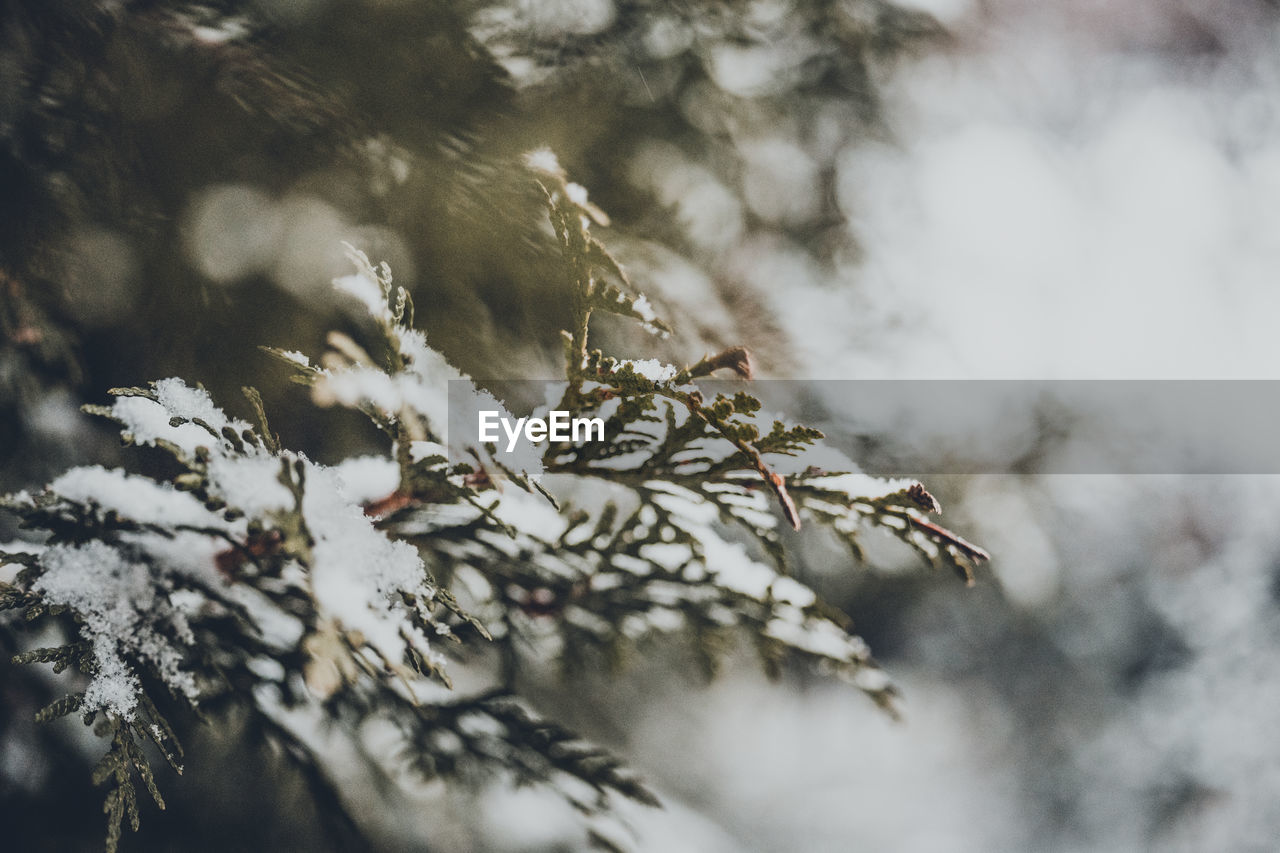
(258, 580)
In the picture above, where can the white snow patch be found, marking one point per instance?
(249, 483)
(366, 290)
(369, 478)
(148, 420)
(651, 369)
(295, 357)
(136, 498)
(121, 606)
(357, 571)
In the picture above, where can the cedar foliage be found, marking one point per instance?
(276, 534)
(213, 591)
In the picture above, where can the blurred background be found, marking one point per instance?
(934, 189)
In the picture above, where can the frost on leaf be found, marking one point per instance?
(124, 615)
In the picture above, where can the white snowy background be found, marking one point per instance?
(1082, 190)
